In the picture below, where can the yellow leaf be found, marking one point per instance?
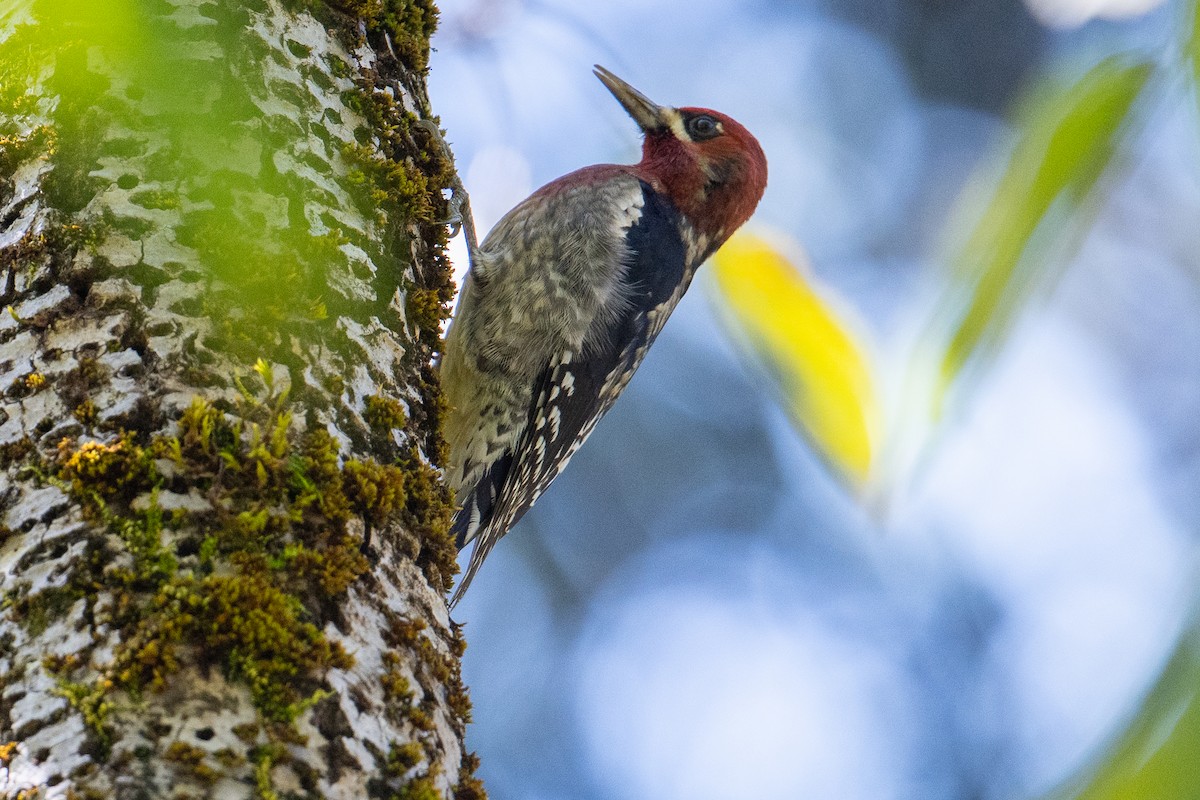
(820, 367)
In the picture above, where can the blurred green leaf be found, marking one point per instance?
(206, 134)
(1158, 753)
(1068, 139)
(808, 347)
(1158, 756)
(1192, 47)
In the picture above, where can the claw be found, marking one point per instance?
(455, 220)
(461, 218)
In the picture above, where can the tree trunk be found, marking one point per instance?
(223, 536)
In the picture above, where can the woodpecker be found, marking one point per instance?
(565, 296)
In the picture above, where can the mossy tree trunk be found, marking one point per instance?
(223, 548)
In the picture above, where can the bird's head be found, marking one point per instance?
(711, 167)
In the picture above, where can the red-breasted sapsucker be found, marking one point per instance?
(567, 293)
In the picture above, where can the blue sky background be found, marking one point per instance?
(697, 609)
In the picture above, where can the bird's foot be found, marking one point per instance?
(460, 218)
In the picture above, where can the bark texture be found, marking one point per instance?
(221, 277)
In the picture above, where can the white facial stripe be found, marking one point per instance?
(675, 123)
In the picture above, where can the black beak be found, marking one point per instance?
(648, 115)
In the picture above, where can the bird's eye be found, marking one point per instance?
(703, 127)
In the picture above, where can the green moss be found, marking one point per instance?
(85, 413)
(384, 414)
(44, 425)
(264, 759)
(413, 651)
(261, 634)
(422, 788)
(334, 384)
(391, 190)
(469, 787)
(35, 382)
(14, 148)
(15, 452)
(427, 425)
(37, 611)
(375, 491)
(396, 688)
(244, 622)
(247, 731)
(30, 249)
(286, 554)
(93, 705)
(457, 697)
(100, 472)
(192, 759)
(402, 759)
(267, 560)
(445, 670)
(409, 24)
(80, 234)
(406, 24)
(396, 185)
(412, 648)
(426, 307)
(427, 513)
(155, 199)
(75, 387)
(89, 371)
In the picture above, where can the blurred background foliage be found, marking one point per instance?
(925, 523)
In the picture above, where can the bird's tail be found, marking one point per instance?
(483, 546)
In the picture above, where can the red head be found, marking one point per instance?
(711, 167)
